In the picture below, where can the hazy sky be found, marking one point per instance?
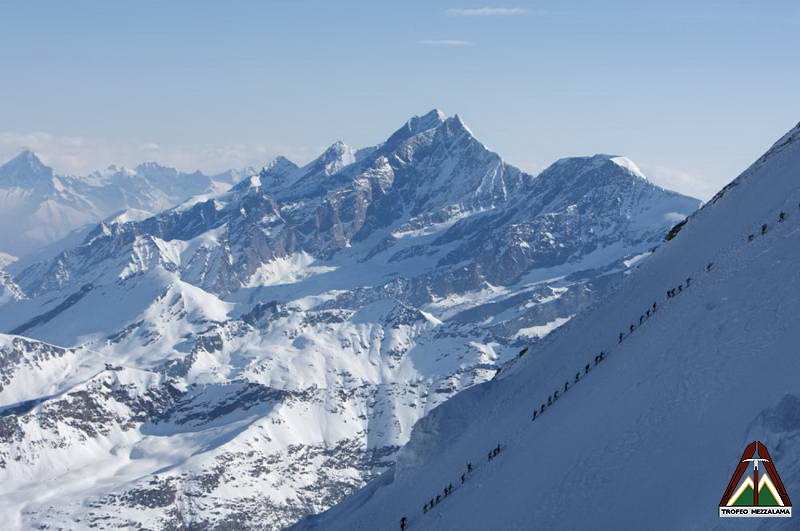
(692, 91)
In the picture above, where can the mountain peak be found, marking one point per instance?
(24, 169)
(154, 169)
(277, 171)
(337, 149)
(455, 125)
(628, 164)
(280, 162)
(337, 156)
(27, 158)
(428, 121)
(414, 126)
(593, 170)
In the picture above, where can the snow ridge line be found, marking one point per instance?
(710, 266)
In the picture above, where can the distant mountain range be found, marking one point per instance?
(251, 355)
(38, 207)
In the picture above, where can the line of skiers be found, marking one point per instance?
(597, 359)
(671, 293)
(449, 488)
(555, 396)
(674, 291)
(642, 318)
(764, 228)
(494, 452)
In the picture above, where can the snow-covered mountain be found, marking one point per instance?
(617, 437)
(254, 355)
(38, 207)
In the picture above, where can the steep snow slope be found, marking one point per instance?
(648, 438)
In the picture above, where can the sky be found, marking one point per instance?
(692, 91)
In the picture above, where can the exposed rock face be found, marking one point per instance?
(250, 357)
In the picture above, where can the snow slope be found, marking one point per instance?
(649, 437)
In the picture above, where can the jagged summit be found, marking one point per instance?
(154, 169)
(278, 171)
(25, 168)
(336, 157)
(429, 120)
(416, 125)
(280, 162)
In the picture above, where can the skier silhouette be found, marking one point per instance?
(750, 237)
(463, 477)
(469, 467)
(647, 313)
(577, 377)
(631, 328)
(654, 307)
(403, 523)
(641, 318)
(425, 508)
(680, 288)
(782, 217)
(566, 386)
(688, 282)
(709, 266)
(621, 335)
(764, 228)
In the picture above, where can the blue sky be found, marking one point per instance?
(691, 91)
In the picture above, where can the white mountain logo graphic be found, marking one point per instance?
(742, 498)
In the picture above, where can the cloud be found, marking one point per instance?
(79, 155)
(446, 42)
(689, 183)
(488, 12)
